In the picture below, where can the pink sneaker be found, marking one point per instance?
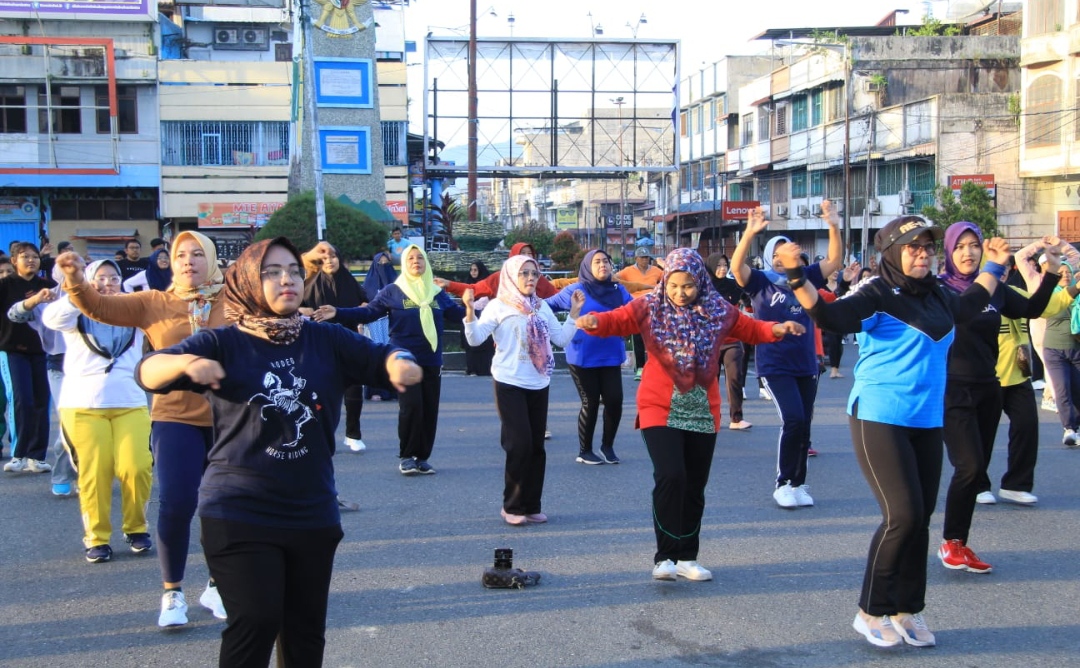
(536, 518)
(515, 520)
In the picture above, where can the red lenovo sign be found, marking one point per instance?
(738, 209)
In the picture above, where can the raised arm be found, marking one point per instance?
(121, 310)
(844, 316)
(834, 259)
(739, 267)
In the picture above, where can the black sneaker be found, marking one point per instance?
(139, 542)
(99, 554)
(588, 457)
(425, 468)
(608, 455)
(408, 466)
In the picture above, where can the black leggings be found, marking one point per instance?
(972, 412)
(275, 584)
(1018, 402)
(903, 468)
(681, 462)
(595, 385)
(731, 361)
(834, 347)
(354, 404)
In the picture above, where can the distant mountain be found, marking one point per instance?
(486, 154)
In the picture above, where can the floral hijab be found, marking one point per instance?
(245, 302)
(200, 298)
(421, 290)
(536, 328)
(686, 335)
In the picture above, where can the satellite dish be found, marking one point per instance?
(960, 10)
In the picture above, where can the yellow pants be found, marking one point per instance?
(108, 443)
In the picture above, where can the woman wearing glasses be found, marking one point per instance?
(180, 430)
(104, 417)
(904, 321)
(972, 393)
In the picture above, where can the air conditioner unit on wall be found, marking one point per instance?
(815, 210)
(905, 198)
(241, 38)
(781, 211)
(873, 206)
(838, 206)
(802, 210)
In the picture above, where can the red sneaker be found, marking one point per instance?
(811, 453)
(957, 556)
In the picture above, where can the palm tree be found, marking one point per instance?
(446, 214)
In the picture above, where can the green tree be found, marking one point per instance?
(351, 231)
(533, 233)
(974, 205)
(565, 251)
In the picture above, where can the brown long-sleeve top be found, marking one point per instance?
(163, 317)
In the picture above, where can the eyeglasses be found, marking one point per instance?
(108, 280)
(913, 249)
(275, 273)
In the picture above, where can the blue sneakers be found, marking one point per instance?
(139, 542)
(99, 554)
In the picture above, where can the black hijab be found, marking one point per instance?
(339, 289)
(890, 241)
(727, 286)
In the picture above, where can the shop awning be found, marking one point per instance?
(106, 233)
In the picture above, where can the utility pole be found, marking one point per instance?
(619, 102)
(848, 101)
(473, 121)
(311, 110)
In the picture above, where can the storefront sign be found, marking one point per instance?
(236, 214)
(94, 10)
(19, 210)
(566, 219)
(738, 209)
(956, 183)
(399, 208)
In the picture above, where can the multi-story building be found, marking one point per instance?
(228, 112)
(1048, 117)
(872, 120)
(79, 142)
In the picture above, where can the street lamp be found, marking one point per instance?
(619, 102)
(594, 28)
(510, 22)
(634, 27)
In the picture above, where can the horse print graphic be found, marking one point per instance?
(285, 401)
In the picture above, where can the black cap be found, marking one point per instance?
(903, 230)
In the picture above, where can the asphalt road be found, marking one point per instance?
(406, 588)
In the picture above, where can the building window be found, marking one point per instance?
(781, 120)
(921, 180)
(798, 113)
(836, 103)
(917, 123)
(890, 179)
(200, 143)
(779, 189)
(696, 116)
(395, 152)
(104, 209)
(817, 184)
(12, 109)
(712, 114)
(684, 177)
(1042, 114)
(763, 194)
(697, 180)
(764, 116)
(127, 109)
(834, 186)
(816, 104)
(747, 129)
(1044, 16)
(682, 124)
(798, 185)
(66, 113)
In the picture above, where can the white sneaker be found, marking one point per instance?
(355, 444)
(985, 498)
(692, 570)
(740, 425)
(664, 570)
(1070, 439)
(1049, 405)
(1024, 498)
(785, 497)
(878, 630)
(37, 466)
(1037, 384)
(913, 629)
(173, 609)
(211, 600)
(764, 394)
(16, 465)
(802, 496)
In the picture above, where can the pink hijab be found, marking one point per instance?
(536, 328)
